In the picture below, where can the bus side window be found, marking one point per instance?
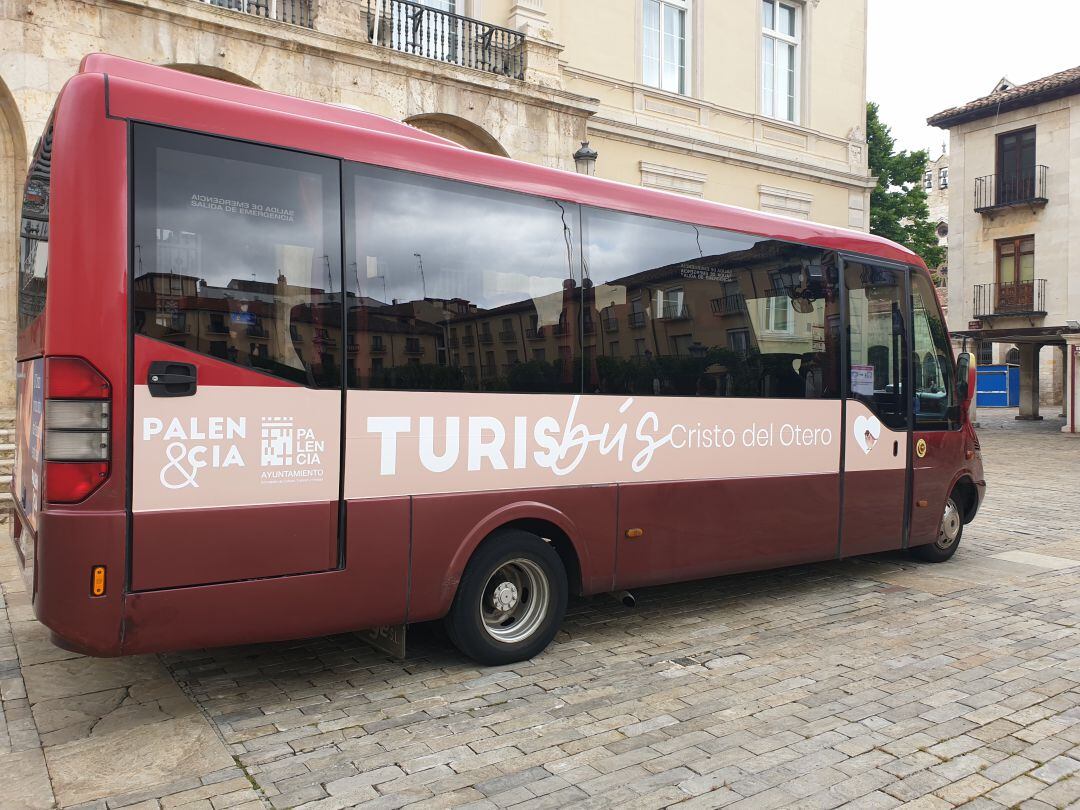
(452, 286)
(237, 253)
(877, 340)
(674, 309)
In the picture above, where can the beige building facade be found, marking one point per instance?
(756, 104)
(1014, 221)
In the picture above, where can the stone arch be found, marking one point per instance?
(211, 72)
(13, 162)
(458, 130)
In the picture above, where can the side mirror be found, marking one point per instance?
(965, 379)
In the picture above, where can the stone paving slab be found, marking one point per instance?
(876, 682)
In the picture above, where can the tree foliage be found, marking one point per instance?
(898, 209)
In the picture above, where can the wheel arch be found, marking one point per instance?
(968, 494)
(540, 519)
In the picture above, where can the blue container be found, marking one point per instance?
(997, 386)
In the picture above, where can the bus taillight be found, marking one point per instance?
(77, 429)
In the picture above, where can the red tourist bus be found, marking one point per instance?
(287, 369)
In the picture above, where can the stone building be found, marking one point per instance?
(936, 185)
(1014, 213)
(770, 115)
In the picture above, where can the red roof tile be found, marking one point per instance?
(1065, 83)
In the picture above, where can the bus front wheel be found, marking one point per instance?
(952, 528)
(511, 599)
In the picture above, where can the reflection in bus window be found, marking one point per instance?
(236, 253)
(934, 387)
(877, 340)
(456, 287)
(695, 311)
(452, 286)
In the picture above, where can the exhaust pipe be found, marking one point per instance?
(625, 597)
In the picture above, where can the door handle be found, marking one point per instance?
(169, 379)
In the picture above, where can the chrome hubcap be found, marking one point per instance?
(515, 601)
(505, 596)
(950, 525)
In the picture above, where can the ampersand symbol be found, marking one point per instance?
(176, 453)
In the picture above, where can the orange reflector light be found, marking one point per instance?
(97, 581)
(633, 533)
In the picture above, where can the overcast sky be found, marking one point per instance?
(924, 56)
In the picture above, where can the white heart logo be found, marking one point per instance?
(867, 432)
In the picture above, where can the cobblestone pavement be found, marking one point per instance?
(876, 682)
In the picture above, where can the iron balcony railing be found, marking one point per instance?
(1010, 298)
(295, 12)
(674, 312)
(507, 336)
(413, 28)
(1027, 187)
(610, 323)
(728, 304)
(636, 319)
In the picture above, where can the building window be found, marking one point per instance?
(1016, 274)
(928, 181)
(943, 177)
(780, 59)
(665, 46)
(1015, 166)
(985, 354)
(669, 304)
(739, 341)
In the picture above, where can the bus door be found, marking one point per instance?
(237, 341)
(876, 437)
(937, 439)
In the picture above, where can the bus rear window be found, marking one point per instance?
(34, 235)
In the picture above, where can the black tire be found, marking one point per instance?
(515, 587)
(952, 529)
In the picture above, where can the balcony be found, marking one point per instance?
(378, 348)
(468, 340)
(486, 338)
(610, 323)
(414, 349)
(507, 336)
(996, 192)
(1013, 298)
(535, 333)
(433, 34)
(295, 12)
(636, 320)
(672, 312)
(728, 304)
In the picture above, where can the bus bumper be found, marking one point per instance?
(58, 563)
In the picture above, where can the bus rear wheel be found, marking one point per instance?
(511, 599)
(952, 528)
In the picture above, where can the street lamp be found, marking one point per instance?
(585, 159)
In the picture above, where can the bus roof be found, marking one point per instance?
(230, 91)
(398, 145)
